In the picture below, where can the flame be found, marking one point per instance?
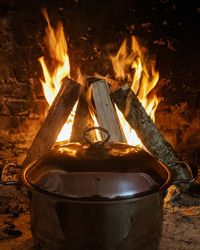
(56, 44)
(130, 64)
(134, 66)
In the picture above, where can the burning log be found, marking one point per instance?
(106, 113)
(53, 123)
(146, 130)
(82, 119)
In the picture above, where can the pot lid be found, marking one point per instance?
(96, 172)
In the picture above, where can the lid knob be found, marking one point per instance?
(96, 143)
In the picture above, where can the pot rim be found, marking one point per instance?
(35, 189)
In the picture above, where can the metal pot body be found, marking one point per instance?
(97, 197)
(58, 224)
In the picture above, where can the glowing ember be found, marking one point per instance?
(134, 68)
(56, 44)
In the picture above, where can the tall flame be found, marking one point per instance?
(131, 64)
(56, 44)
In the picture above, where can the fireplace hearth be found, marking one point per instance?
(168, 29)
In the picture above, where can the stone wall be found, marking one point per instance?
(21, 97)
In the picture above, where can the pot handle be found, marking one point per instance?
(193, 172)
(11, 182)
(97, 143)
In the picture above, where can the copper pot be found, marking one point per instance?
(98, 196)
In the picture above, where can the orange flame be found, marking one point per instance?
(129, 64)
(56, 44)
(134, 67)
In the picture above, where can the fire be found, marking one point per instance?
(56, 44)
(131, 65)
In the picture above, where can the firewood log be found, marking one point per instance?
(105, 110)
(146, 130)
(82, 119)
(54, 121)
